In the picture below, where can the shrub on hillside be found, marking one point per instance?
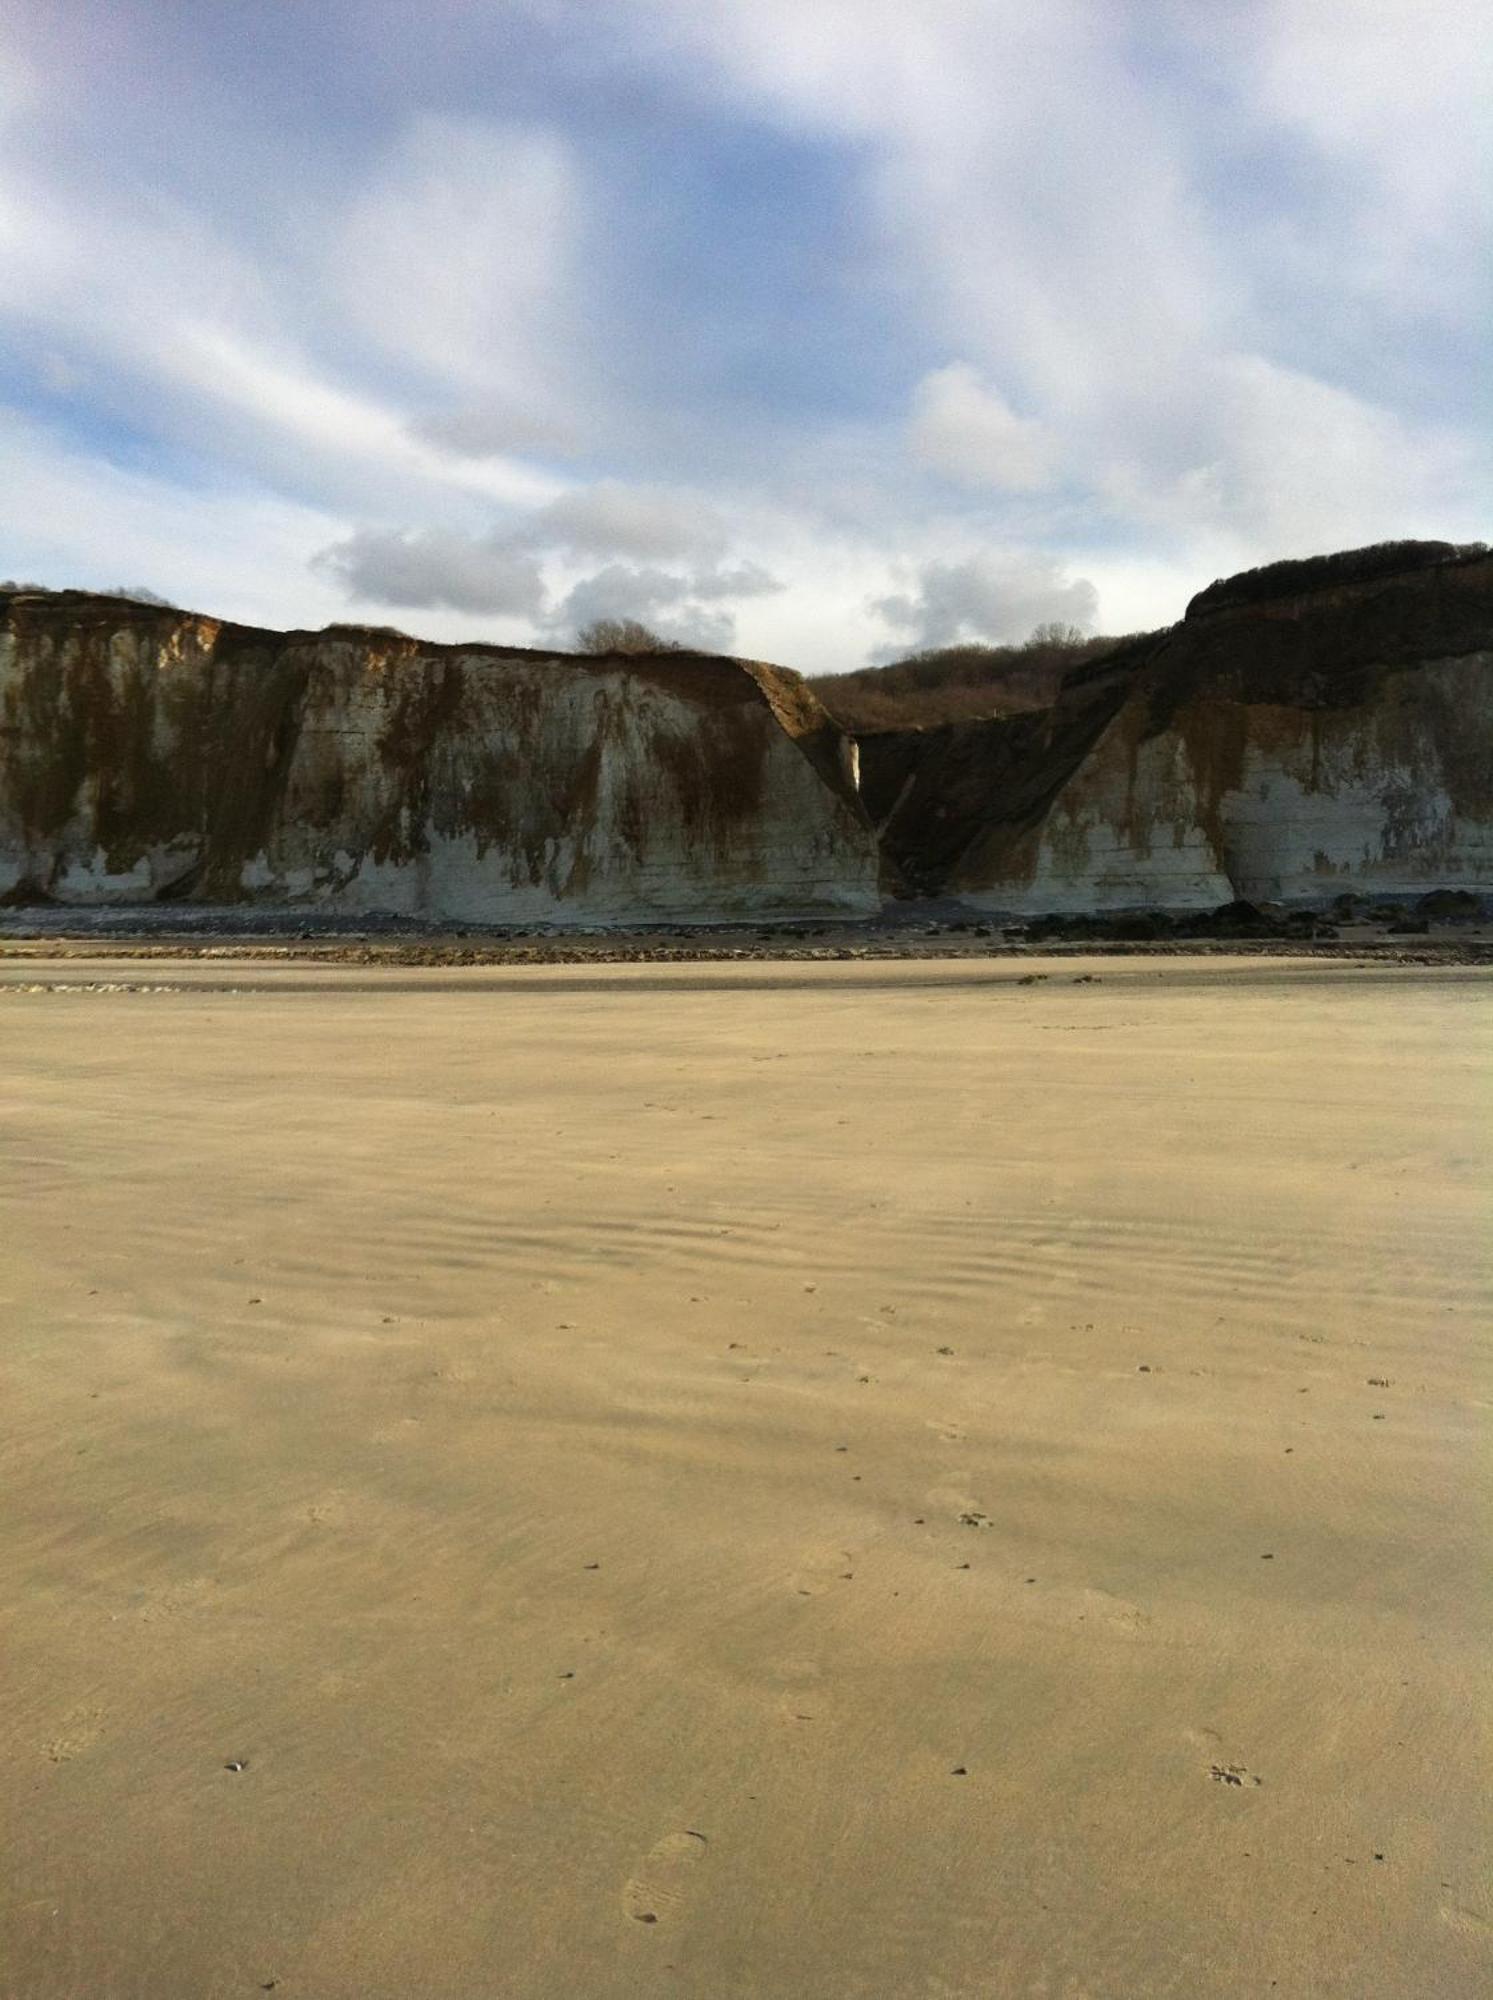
(964, 683)
(622, 635)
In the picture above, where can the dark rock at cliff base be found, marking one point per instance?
(1237, 919)
(1450, 905)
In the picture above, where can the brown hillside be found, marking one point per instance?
(954, 684)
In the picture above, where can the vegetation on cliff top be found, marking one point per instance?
(605, 636)
(1339, 570)
(957, 683)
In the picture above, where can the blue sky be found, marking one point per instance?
(810, 329)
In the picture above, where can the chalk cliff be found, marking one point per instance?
(148, 754)
(1306, 729)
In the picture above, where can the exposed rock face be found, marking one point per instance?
(1307, 729)
(1279, 743)
(150, 754)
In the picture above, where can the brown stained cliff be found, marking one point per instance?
(1158, 734)
(95, 718)
(1269, 676)
(150, 753)
(1327, 649)
(138, 738)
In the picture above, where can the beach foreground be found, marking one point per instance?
(817, 1481)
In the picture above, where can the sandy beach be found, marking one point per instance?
(799, 1482)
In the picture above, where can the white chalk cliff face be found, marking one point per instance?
(148, 754)
(1261, 801)
(1280, 744)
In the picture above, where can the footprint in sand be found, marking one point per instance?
(333, 1509)
(655, 1893)
(175, 1600)
(79, 1731)
(947, 1428)
(454, 1372)
(797, 1670)
(820, 1570)
(1238, 1775)
(1103, 1607)
(1202, 1739)
(1467, 1923)
(803, 1699)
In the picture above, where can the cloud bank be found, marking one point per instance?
(810, 330)
(994, 596)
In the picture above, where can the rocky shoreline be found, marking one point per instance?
(1447, 927)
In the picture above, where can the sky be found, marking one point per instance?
(811, 330)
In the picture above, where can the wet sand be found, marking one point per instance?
(807, 1481)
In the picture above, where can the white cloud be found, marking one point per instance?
(1139, 593)
(657, 598)
(1397, 93)
(72, 518)
(1207, 276)
(748, 579)
(278, 393)
(434, 569)
(493, 429)
(612, 517)
(455, 259)
(1304, 454)
(19, 81)
(1034, 187)
(997, 596)
(500, 573)
(685, 605)
(818, 615)
(963, 427)
(1053, 185)
(110, 288)
(1288, 465)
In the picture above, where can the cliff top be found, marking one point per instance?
(1301, 576)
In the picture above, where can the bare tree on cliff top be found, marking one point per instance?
(622, 635)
